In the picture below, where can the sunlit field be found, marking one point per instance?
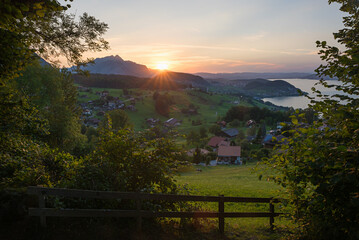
(235, 181)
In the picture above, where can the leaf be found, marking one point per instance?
(40, 13)
(295, 121)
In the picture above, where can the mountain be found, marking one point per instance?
(254, 75)
(116, 65)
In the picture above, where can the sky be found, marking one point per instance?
(216, 35)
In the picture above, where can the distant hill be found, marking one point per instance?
(255, 87)
(164, 80)
(254, 75)
(271, 88)
(116, 65)
(182, 78)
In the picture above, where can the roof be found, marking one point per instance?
(267, 138)
(224, 143)
(214, 141)
(230, 151)
(231, 132)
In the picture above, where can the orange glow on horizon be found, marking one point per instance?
(162, 66)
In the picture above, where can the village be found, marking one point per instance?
(220, 149)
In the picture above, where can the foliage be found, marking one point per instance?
(119, 119)
(257, 114)
(28, 105)
(53, 93)
(193, 137)
(197, 156)
(319, 164)
(215, 129)
(203, 132)
(28, 163)
(123, 161)
(162, 104)
(235, 123)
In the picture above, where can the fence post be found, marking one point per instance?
(271, 218)
(42, 205)
(139, 216)
(221, 213)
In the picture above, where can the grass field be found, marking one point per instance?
(235, 181)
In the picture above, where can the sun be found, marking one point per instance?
(162, 66)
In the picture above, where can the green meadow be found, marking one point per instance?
(235, 181)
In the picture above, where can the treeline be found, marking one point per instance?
(257, 114)
(110, 81)
(123, 81)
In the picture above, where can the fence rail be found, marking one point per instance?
(138, 213)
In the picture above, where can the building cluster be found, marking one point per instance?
(93, 109)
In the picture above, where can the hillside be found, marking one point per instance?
(164, 80)
(209, 107)
(116, 65)
(259, 87)
(182, 78)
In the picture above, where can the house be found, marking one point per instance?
(230, 133)
(224, 143)
(87, 112)
(251, 123)
(151, 122)
(172, 122)
(229, 155)
(104, 93)
(214, 141)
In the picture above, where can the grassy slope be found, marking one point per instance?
(210, 107)
(240, 181)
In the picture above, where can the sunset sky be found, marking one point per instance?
(216, 35)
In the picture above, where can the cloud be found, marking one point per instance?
(255, 37)
(300, 52)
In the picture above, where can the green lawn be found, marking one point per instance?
(235, 181)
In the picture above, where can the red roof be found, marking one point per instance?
(224, 143)
(230, 151)
(214, 141)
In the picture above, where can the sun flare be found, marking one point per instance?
(162, 66)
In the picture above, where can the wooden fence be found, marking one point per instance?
(44, 212)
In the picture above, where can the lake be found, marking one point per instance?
(301, 101)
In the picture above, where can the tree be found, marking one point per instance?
(53, 93)
(162, 105)
(197, 155)
(319, 165)
(235, 123)
(27, 29)
(193, 137)
(203, 132)
(119, 119)
(124, 161)
(215, 129)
